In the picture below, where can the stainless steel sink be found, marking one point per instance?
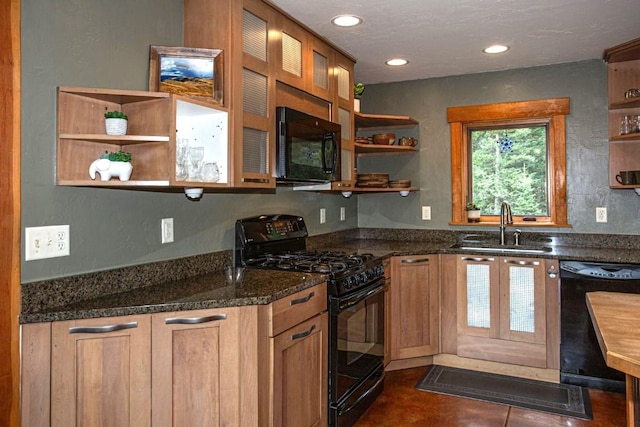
(522, 249)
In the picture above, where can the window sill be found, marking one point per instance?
(517, 224)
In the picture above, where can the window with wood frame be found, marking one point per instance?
(513, 152)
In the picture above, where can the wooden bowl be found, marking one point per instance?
(384, 138)
(401, 183)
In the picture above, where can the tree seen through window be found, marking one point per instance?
(509, 164)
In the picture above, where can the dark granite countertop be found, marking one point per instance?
(207, 291)
(568, 253)
(172, 285)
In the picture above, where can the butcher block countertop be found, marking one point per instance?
(616, 319)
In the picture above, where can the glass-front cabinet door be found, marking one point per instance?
(254, 143)
(502, 309)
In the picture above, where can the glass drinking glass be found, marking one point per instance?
(635, 124)
(182, 144)
(626, 124)
(210, 172)
(196, 154)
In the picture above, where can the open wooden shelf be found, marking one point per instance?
(156, 120)
(382, 150)
(381, 121)
(116, 139)
(627, 103)
(382, 189)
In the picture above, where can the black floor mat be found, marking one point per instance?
(560, 399)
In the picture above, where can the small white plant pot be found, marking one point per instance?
(356, 105)
(115, 126)
(473, 215)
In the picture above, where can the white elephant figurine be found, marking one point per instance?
(107, 169)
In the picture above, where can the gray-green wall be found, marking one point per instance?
(105, 44)
(585, 83)
(94, 43)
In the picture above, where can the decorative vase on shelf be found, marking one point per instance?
(358, 88)
(112, 165)
(115, 123)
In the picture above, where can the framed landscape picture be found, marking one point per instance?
(187, 71)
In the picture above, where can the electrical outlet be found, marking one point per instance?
(323, 215)
(343, 213)
(166, 227)
(46, 242)
(426, 213)
(601, 214)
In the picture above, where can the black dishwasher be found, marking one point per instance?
(581, 360)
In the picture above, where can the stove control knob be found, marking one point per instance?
(348, 282)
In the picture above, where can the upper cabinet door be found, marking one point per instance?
(292, 53)
(255, 105)
(321, 82)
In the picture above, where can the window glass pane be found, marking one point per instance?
(509, 164)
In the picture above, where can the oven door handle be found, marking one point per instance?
(344, 410)
(356, 298)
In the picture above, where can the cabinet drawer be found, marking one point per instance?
(288, 312)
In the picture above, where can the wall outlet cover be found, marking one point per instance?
(46, 242)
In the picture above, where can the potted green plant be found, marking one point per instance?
(358, 88)
(114, 164)
(473, 213)
(115, 122)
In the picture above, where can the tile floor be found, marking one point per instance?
(402, 405)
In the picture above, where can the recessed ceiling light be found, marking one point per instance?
(346, 20)
(496, 48)
(396, 62)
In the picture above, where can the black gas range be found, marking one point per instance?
(355, 305)
(278, 242)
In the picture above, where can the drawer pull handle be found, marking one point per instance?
(303, 334)
(414, 261)
(520, 262)
(303, 299)
(477, 259)
(194, 320)
(257, 180)
(102, 329)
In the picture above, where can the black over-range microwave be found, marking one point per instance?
(308, 148)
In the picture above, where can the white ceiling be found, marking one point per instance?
(446, 37)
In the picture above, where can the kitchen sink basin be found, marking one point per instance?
(520, 249)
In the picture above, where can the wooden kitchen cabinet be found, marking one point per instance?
(268, 57)
(300, 372)
(623, 73)
(414, 306)
(156, 121)
(297, 329)
(342, 112)
(165, 369)
(101, 372)
(196, 366)
(507, 310)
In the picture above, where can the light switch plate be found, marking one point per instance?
(166, 225)
(426, 213)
